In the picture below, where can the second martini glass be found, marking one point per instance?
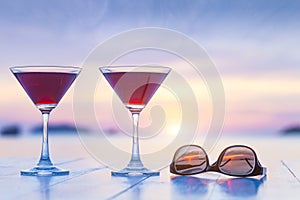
(135, 86)
(45, 85)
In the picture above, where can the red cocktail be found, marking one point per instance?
(135, 89)
(45, 85)
(135, 86)
(45, 88)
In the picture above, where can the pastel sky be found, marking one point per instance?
(255, 46)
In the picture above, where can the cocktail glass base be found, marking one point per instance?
(44, 171)
(129, 172)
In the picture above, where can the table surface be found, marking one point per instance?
(88, 179)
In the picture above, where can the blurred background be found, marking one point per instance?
(255, 46)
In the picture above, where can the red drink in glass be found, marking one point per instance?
(135, 88)
(45, 87)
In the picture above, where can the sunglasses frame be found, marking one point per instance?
(258, 169)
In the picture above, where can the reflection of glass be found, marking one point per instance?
(44, 187)
(45, 85)
(244, 187)
(189, 186)
(135, 86)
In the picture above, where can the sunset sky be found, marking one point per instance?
(255, 46)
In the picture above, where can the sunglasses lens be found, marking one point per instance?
(190, 160)
(237, 161)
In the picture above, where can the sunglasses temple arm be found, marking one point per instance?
(264, 171)
(172, 169)
(227, 161)
(247, 160)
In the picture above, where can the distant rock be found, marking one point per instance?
(294, 129)
(59, 128)
(11, 130)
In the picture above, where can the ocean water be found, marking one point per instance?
(156, 153)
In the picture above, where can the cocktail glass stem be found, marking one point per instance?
(135, 166)
(45, 158)
(135, 161)
(45, 166)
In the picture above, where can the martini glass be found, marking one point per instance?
(45, 85)
(135, 86)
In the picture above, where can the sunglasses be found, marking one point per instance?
(236, 160)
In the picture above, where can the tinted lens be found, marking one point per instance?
(237, 161)
(190, 160)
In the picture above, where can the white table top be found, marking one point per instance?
(88, 179)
